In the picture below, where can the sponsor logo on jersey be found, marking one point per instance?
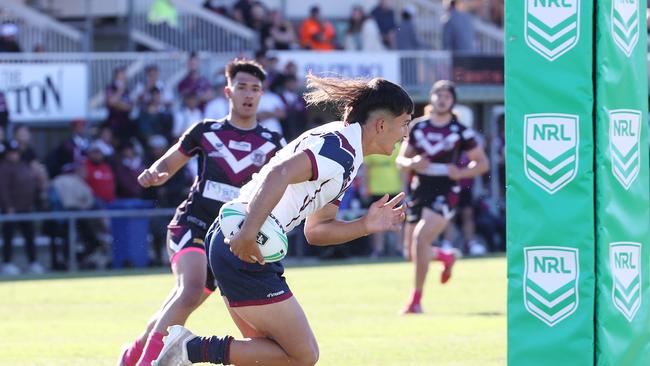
(625, 265)
(259, 157)
(625, 145)
(435, 136)
(551, 149)
(552, 26)
(551, 282)
(240, 145)
(626, 24)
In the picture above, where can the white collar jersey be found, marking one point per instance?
(335, 152)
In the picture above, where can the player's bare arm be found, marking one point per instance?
(293, 170)
(409, 160)
(164, 168)
(479, 164)
(322, 227)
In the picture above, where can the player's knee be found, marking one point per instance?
(309, 357)
(190, 295)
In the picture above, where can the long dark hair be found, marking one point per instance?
(355, 99)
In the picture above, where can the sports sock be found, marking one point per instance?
(439, 254)
(133, 353)
(152, 349)
(209, 349)
(416, 297)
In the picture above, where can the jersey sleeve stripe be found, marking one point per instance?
(314, 166)
(346, 144)
(185, 152)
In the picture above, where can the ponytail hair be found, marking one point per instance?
(355, 99)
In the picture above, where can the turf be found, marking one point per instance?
(352, 307)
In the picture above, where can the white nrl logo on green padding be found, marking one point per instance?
(552, 26)
(625, 145)
(551, 149)
(625, 264)
(625, 24)
(551, 282)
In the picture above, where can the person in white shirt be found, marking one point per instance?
(187, 115)
(271, 110)
(303, 182)
(217, 107)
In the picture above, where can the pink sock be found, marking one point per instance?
(152, 349)
(133, 353)
(437, 254)
(416, 297)
(441, 255)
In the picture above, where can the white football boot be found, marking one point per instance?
(174, 352)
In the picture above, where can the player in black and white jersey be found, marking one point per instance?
(431, 156)
(229, 151)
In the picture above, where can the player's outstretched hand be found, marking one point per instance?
(384, 215)
(150, 178)
(245, 248)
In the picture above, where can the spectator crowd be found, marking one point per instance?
(97, 165)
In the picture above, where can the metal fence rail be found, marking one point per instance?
(72, 216)
(172, 65)
(38, 29)
(420, 69)
(428, 23)
(198, 29)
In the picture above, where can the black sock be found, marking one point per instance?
(209, 349)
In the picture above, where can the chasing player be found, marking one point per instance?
(431, 155)
(229, 151)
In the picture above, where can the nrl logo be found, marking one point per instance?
(551, 282)
(625, 24)
(624, 145)
(552, 26)
(625, 264)
(551, 149)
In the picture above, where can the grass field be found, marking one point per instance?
(352, 309)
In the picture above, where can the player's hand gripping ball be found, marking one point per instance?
(271, 239)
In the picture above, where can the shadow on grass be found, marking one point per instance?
(487, 314)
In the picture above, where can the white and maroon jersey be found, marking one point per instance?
(336, 154)
(227, 158)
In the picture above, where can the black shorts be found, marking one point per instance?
(439, 195)
(185, 238)
(465, 198)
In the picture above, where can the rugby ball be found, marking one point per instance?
(271, 239)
